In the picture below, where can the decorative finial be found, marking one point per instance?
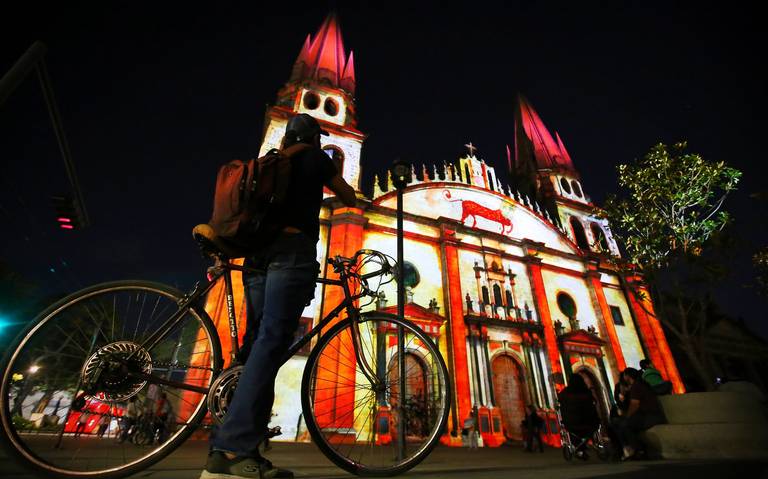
(376, 188)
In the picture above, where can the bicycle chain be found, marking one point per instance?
(179, 365)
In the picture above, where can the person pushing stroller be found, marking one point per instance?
(579, 415)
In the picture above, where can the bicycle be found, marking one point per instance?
(114, 341)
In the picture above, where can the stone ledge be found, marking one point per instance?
(713, 408)
(707, 441)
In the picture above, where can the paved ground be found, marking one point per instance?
(453, 463)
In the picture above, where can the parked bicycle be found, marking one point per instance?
(119, 340)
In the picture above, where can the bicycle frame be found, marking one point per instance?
(223, 269)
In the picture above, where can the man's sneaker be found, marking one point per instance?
(220, 467)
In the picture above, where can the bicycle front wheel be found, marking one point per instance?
(78, 379)
(379, 424)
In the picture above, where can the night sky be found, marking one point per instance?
(154, 98)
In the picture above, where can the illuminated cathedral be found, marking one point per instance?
(511, 281)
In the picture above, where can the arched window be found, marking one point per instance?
(510, 302)
(490, 181)
(486, 298)
(564, 184)
(597, 233)
(497, 295)
(467, 176)
(579, 234)
(576, 188)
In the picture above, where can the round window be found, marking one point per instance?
(565, 185)
(331, 107)
(311, 100)
(576, 188)
(567, 305)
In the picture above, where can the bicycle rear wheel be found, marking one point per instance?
(368, 429)
(76, 359)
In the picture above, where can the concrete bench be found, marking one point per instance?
(711, 425)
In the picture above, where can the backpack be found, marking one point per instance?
(246, 196)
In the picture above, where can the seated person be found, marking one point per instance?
(644, 411)
(652, 376)
(578, 411)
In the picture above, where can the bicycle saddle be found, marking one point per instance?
(212, 244)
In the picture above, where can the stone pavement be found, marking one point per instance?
(452, 463)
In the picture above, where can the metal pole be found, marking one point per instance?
(33, 58)
(61, 138)
(400, 332)
(13, 78)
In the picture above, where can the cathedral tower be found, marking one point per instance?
(542, 168)
(322, 84)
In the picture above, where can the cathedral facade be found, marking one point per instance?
(511, 281)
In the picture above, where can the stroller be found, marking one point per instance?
(572, 443)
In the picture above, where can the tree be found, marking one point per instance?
(666, 219)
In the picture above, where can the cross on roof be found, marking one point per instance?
(472, 148)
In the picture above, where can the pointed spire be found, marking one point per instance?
(563, 151)
(424, 172)
(322, 58)
(546, 151)
(348, 78)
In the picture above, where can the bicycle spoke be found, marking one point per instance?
(72, 350)
(342, 398)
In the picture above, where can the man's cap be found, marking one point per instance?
(305, 126)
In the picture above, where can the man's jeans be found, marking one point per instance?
(275, 301)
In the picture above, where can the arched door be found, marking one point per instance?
(415, 403)
(509, 395)
(598, 393)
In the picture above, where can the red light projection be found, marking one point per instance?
(548, 153)
(323, 58)
(470, 209)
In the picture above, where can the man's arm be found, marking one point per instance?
(346, 193)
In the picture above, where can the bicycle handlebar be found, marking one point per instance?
(340, 262)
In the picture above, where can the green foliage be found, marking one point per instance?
(672, 204)
(22, 424)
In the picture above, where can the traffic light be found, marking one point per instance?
(69, 216)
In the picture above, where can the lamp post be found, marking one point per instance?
(401, 176)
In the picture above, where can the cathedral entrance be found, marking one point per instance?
(415, 404)
(509, 395)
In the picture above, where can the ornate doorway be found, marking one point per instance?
(598, 393)
(415, 401)
(509, 395)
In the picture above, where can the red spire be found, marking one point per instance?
(548, 153)
(563, 152)
(348, 79)
(322, 58)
